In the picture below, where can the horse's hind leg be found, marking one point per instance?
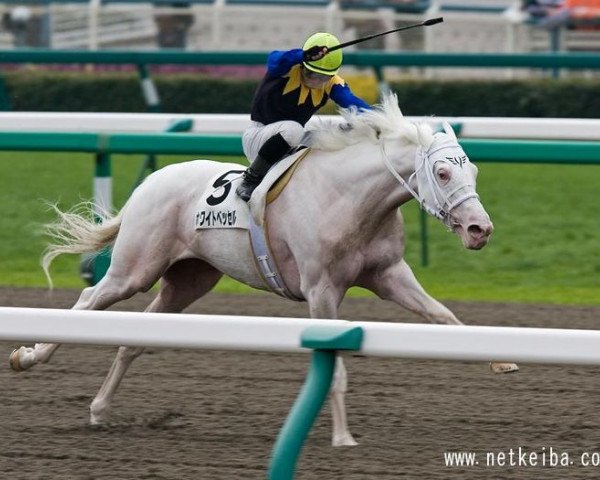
(107, 292)
(181, 284)
(398, 284)
(135, 267)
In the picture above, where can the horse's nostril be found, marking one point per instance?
(480, 231)
(475, 230)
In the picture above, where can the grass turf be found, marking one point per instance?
(544, 249)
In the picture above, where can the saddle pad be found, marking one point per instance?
(220, 207)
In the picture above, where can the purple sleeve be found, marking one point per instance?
(280, 62)
(343, 96)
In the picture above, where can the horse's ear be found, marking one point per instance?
(449, 130)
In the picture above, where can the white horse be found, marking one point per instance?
(337, 224)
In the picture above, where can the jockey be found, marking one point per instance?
(298, 82)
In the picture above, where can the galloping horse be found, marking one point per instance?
(335, 225)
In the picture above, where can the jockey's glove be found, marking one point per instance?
(314, 53)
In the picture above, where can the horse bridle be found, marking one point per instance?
(425, 166)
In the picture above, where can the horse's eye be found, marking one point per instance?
(443, 175)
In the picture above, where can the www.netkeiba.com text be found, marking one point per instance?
(522, 457)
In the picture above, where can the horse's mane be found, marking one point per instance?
(383, 121)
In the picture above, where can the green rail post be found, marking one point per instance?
(382, 86)
(424, 238)
(4, 98)
(93, 266)
(149, 89)
(324, 341)
(104, 205)
(555, 34)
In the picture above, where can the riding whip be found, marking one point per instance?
(426, 23)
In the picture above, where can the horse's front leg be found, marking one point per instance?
(398, 284)
(323, 301)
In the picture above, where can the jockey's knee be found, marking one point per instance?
(273, 150)
(292, 133)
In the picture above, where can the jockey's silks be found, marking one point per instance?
(282, 95)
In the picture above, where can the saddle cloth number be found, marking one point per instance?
(225, 184)
(219, 208)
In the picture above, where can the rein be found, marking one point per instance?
(423, 165)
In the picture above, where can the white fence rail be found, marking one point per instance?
(471, 127)
(403, 340)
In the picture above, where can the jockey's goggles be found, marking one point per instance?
(310, 75)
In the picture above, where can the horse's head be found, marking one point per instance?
(444, 175)
(446, 189)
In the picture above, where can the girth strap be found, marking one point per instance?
(265, 263)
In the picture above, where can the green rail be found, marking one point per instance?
(375, 59)
(479, 150)
(149, 143)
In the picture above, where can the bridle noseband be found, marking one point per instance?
(424, 166)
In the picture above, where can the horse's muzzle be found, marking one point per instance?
(478, 234)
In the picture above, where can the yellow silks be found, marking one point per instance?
(294, 82)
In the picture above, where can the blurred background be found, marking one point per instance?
(470, 25)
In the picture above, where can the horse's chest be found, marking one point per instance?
(348, 254)
(358, 253)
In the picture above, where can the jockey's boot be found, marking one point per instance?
(269, 154)
(252, 177)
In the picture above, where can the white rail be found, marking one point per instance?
(441, 342)
(471, 127)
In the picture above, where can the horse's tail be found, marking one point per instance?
(76, 232)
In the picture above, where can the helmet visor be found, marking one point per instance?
(315, 76)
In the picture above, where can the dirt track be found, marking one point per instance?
(214, 415)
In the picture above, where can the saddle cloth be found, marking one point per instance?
(220, 207)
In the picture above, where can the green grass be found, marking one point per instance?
(545, 248)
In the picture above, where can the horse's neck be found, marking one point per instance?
(362, 170)
(355, 182)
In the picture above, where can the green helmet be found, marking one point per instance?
(330, 63)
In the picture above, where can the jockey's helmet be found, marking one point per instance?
(330, 63)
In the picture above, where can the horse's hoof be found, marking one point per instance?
(96, 421)
(504, 367)
(15, 364)
(98, 413)
(22, 359)
(344, 441)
